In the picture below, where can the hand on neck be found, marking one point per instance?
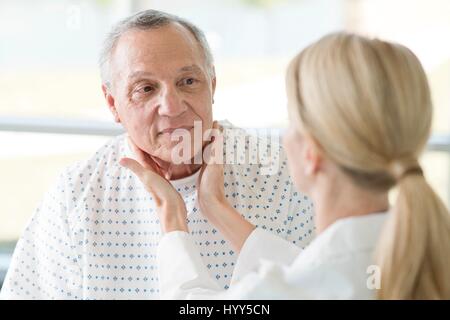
(177, 171)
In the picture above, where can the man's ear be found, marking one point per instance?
(213, 83)
(110, 102)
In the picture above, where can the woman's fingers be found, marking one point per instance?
(213, 152)
(133, 165)
(136, 150)
(170, 206)
(153, 182)
(143, 158)
(211, 180)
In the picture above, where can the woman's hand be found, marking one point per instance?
(210, 184)
(170, 206)
(211, 195)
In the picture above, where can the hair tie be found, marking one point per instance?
(405, 167)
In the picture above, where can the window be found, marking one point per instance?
(50, 83)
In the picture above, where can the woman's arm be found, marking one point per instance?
(211, 194)
(233, 226)
(177, 252)
(253, 244)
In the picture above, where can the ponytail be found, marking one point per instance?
(414, 248)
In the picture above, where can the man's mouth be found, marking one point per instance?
(172, 129)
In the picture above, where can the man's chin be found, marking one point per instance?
(179, 156)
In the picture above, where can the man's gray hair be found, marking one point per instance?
(144, 20)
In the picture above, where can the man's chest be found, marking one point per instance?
(118, 231)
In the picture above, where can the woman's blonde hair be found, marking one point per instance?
(367, 103)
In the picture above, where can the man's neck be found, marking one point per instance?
(176, 171)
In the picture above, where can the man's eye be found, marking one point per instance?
(142, 91)
(146, 89)
(189, 81)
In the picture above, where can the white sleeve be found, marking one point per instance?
(263, 245)
(45, 264)
(182, 275)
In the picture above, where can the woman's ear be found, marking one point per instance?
(313, 155)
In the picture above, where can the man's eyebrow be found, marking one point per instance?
(138, 74)
(193, 67)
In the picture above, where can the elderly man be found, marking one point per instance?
(95, 234)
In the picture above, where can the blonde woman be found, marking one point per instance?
(360, 113)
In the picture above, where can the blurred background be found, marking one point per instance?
(52, 111)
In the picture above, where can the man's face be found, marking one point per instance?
(159, 83)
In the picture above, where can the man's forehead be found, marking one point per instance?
(169, 39)
(168, 45)
(141, 73)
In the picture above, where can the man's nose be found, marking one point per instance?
(171, 103)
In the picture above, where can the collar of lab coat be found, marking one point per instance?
(344, 237)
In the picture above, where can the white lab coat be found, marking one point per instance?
(338, 264)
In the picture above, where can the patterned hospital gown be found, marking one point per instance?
(95, 234)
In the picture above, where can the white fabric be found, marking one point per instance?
(334, 266)
(262, 245)
(95, 234)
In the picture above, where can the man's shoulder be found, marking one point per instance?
(104, 157)
(256, 151)
(256, 165)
